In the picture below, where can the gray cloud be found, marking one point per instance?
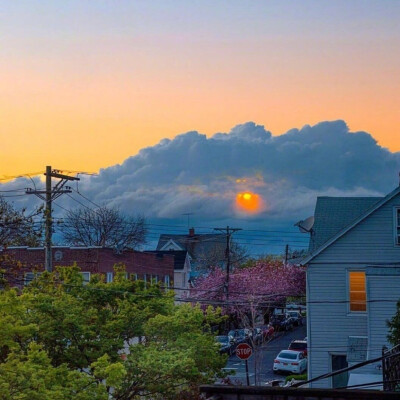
(193, 173)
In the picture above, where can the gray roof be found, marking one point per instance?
(332, 214)
(198, 245)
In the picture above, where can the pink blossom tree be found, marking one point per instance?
(261, 286)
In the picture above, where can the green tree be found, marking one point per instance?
(394, 327)
(64, 327)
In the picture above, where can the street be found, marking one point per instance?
(262, 359)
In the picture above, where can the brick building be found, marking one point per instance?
(92, 260)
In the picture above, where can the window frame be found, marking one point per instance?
(348, 292)
(109, 277)
(85, 282)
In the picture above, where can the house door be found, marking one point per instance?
(339, 361)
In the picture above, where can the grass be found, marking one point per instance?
(302, 377)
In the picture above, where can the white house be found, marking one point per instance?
(353, 284)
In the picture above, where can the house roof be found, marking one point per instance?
(332, 214)
(179, 256)
(375, 203)
(197, 245)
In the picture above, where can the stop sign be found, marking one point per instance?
(244, 351)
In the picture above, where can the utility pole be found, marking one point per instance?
(286, 253)
(50, 195)
(229, 231)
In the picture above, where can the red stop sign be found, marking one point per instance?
(244, 351)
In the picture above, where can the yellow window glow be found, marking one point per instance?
(358, 297)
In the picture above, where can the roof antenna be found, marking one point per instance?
(188, 218)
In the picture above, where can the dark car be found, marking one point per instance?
(240, 335)
(227, 344)
(296, 318)
(299, 345)
(282, 322)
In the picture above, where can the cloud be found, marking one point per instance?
(193, 173)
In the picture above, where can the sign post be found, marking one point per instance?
(244, 352)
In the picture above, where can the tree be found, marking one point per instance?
(105, 226)
(58, 326)
(17, 228)
(262, 284)
(394, 327)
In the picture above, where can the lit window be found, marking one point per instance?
(357, 294)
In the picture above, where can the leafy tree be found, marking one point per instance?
(105, 226)
(394, 327)
(58, 326)
(18, 228)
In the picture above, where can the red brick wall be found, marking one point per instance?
(93, 260)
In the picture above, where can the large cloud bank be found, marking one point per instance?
(193, 173)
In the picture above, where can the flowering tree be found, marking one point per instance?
(266, 283)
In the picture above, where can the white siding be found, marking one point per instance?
(371, 241)
(385, 290)
(330, 323)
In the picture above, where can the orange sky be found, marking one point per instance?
(87, 100)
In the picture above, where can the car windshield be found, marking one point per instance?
(286, 354)
(298, 346)
(241, 332)
(222, 339)
(293, 314)
(231, 333)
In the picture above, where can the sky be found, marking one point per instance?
(235, 112)
(87, 84)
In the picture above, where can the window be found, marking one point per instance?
(134, 277)
(145, 280)
(86, 277)
(109, 277)
(166, 281)
(396, 226)
(357, 294)
(30, 276)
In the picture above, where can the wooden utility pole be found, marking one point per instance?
(229, 231)
(50, 195)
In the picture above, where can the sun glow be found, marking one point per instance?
(249, 202)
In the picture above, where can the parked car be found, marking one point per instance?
(296, 318)
(281, 322)
(268, 332)
(291, 361)
(298, 307)
(299, 345)
(239, 335)
(227, 344)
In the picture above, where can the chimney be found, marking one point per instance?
(191, 232)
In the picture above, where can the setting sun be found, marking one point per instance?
(249, 202)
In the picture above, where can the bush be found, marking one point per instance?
(302, 377)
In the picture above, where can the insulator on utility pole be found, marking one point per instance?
(48, 196)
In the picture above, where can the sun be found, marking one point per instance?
(249, 202)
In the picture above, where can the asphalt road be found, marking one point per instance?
(262, 359)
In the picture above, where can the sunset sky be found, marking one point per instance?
(86, 84)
